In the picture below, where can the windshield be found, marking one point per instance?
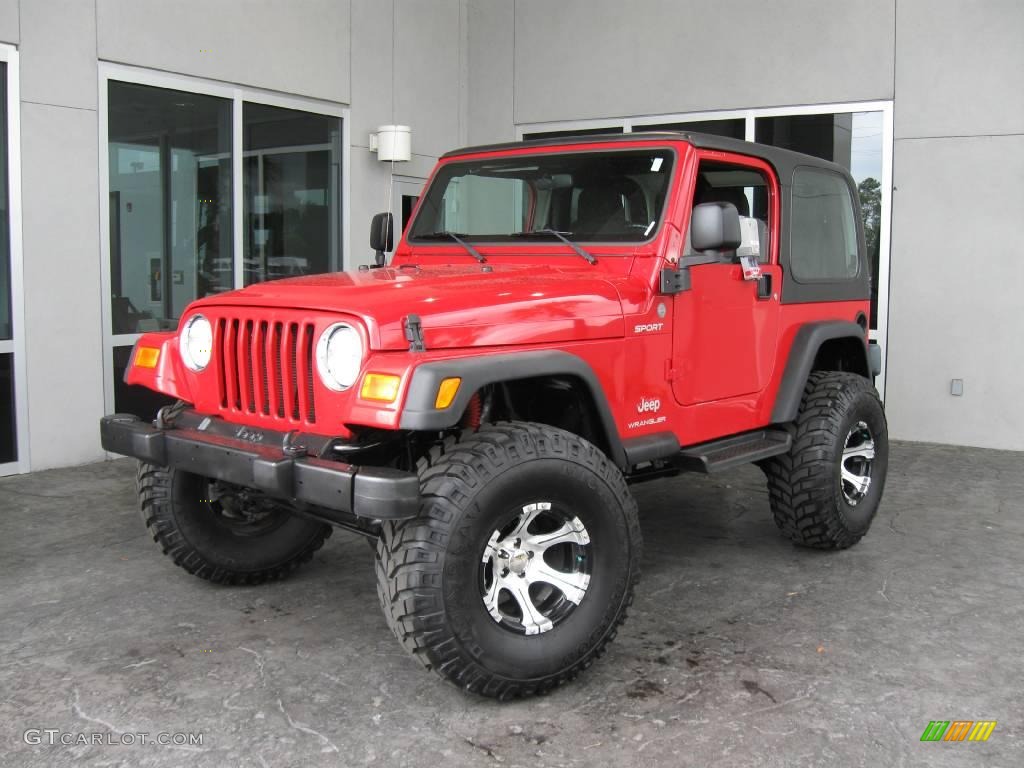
(610, 196)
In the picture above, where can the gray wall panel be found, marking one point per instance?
(271, 44)
(598, 58)
(58, 53)
(491, 49)
(428, 73)
(60, 215)
(9, 22)
(956, 292)
(372, 68)
(960, 68)
(416, 79)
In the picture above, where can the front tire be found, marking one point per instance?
(519, 568)
(222, 534)
(825, 491)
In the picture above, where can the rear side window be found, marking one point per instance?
(823, 245)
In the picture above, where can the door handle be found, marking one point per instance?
(764, 286)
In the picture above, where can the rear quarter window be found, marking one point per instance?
(823, 243)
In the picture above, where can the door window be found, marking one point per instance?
(747, 189)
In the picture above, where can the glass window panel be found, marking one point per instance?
(8, 415)
(5, 230)
(8, 423)
(823, 240)
(408, 204)
(614, 196)
(131, 398)
(747, 189)
(169, 154)
(570, 133)
(292, 192)
(854, 141)
(733, 128)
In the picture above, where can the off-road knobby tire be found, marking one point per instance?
(426, 564)
(804, 491)
(169, 501)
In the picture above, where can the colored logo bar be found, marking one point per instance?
(958, 730)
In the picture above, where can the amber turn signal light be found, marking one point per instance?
(446, 392)
(147, 357)
(382, 387)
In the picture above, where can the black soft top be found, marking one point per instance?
(783, 160)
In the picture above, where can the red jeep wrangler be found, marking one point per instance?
(562, 318)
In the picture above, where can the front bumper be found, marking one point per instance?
(280, 464)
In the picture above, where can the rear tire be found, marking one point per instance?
(825, 491)
(519, 568)
(197, 532)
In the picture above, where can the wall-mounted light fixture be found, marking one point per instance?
(392, 142)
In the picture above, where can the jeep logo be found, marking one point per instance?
(249, 435)
(648, 406)
(647, 327)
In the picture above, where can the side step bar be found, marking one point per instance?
(734, 451)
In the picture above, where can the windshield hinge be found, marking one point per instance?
(675, 280)
(414, 333)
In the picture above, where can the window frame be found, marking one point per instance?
(16, 344)
(238, 95)
(774, 223)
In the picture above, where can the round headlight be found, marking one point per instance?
(196, 343)
(339, 356)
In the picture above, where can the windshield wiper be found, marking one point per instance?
(458, 239)
(562, 236)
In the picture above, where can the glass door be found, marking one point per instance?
(292, 167)
(405, 193)
(206, 188)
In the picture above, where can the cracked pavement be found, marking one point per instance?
(740, 649)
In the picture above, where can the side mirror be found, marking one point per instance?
(382, 235)
(715, 227)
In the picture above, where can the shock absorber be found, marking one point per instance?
(474, 409)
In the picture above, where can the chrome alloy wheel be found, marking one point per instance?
(535, 569)
(858, 457)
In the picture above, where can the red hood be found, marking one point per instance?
(459, 306)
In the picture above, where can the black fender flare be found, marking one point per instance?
(419, 413)
(806, 344)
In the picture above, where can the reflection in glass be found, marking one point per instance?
(854, 141)
(8, 425)
(292, 183)
(572, 132)
(131, 398)
(733, 128)
(170, 203)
